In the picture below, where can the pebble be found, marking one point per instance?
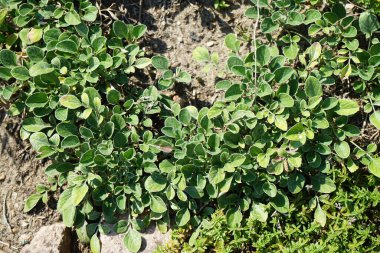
(24, 224)
(210, 43)
(2, 176)
(24, 239)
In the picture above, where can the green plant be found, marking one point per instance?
(285, 133)
(354, 227)
(71, 81)
(221, 4)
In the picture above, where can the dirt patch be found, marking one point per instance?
(19, 175)
(176, 28)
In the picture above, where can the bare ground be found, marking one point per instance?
(19, 175)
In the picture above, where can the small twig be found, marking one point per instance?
(255, 49)
(357, 6)
(254, 40)
(8, 245)
(140, 10)
(5, 212)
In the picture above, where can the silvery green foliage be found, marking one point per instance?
(122, 148)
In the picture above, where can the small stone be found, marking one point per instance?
(179, 39)
(55, 238)
(2, 176)
(24, 239)
(24, 224)
(210, 43)
(151, 239)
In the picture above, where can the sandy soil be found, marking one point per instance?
(19, 175)
(176, 28)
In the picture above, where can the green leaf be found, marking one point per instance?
(234, 217)
(66, 129)
(281, 123)
(184, 116)
(295, 18)
(315, 51)
(31, 202)
(182, 217)
(342, 149)
(232, 42)
(291, 51)
(216, 175)
(233, 93)
(95, 244)
(259, 213)
(120, 29)
(78, 194)
(374, 167)
(40, 68)
(323, 184)
(270, 189)
(72, 18)
(201, 54)
(8, 58)
(320, 216)
(346, 71)
(68, 216)
(37, 100)
(142, 63)
(166, 166)
(294, 132)
(5, 73)
(268, 26)
(312, 16)
(71, 141)
(132, 240)
(283, 74)
(35, 53)
(34, 35)
(139, 31)
(368, 23)
(20, 73)
(347, 107)
(313, 87)
(280, 202)
(70, 101)
(67, 46)
(375, 119)
(39, 140)
(160, 62)
(157, 205)
(34, 124)
(263, 55)
(155, 183)
(113, 96)
(296, 182)
(286, 100)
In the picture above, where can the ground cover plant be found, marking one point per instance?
(291, 145)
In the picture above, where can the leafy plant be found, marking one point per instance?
(353, 213)
(285, 133)
(71, 80)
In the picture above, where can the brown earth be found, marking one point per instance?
(19, 175)
(176, 28)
